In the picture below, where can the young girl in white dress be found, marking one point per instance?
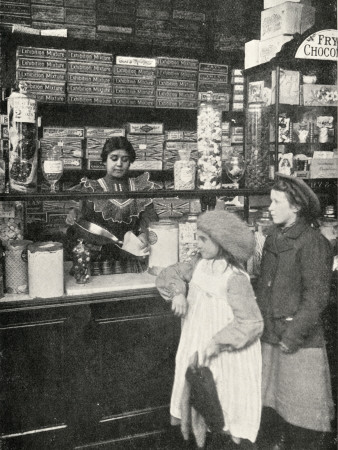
(221, 322)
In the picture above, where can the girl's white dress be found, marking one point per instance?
(237, 374)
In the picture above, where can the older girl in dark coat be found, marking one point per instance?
(293, 291)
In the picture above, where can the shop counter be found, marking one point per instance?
(91, 369)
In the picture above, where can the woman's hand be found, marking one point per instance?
(72, 216)
(179, 305)
(145, 244)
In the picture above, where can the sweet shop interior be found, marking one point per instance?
(140, 140)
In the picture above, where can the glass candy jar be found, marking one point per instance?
(209, 136)
(184, 171)
(23, 140)
(257, 146)
(81, 262)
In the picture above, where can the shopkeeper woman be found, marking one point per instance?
(115, 215)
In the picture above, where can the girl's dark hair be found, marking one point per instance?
(229, 258)
(118, 143)
(294, 198)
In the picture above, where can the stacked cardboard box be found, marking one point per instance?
(89, 77)
(94, 142)
(176, 140)
(15, 12)
(237, 81)
(147, 140)
(115, 20)
(280, 21)
(214, 78)
(153, 22)
(188, 28)
(70, 139)
(44, 70)
(176, 83)
(134, 81)
(80, 18)
(46, 14)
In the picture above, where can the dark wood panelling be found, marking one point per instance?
(86, 372)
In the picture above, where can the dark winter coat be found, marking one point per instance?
(294, 286)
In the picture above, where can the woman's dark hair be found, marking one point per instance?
(294, 198)
(118, 143)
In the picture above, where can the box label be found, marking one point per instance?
(177, 84)
(133, 71)
(46, 53)
(134, 61)
(134, 81)
(133, 91)
(88, 79)
(22, 74)
(42, 64)
(89, 89)
(102, 58)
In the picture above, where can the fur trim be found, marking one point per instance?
(229, 231)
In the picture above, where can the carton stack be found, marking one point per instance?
(147, 140)
(44, 70)
(237, 82)
(176, 83)
(48, 14)
(70, 139)
(134, 81)
(95, 138)
(14, 11)
(115, 20)
(80, 18)
(189, 24)
(176, 140)
(153, 22)
(228, 21)
(214, 78)
(280, 21)
(89, 77)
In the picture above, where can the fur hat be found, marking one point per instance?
(303, 194)
(229, 231)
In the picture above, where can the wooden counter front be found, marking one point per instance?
(89, 369)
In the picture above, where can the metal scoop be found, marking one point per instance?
(95, 234)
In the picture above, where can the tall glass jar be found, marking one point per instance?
(257, 147)
(184, 171)
(209, 136)
(22, 131)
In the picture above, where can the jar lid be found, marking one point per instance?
(47, 247)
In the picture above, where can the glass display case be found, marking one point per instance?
(291, 114)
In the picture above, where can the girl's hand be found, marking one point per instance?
(284, 348)
(72, 216)
(179, 305)
(211, 350)
(145, 244)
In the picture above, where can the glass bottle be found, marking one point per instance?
(52, 166)
(187, 239)
(81, 262)
(184, 171)
(209, 137)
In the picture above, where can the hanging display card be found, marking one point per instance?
(320, 45)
